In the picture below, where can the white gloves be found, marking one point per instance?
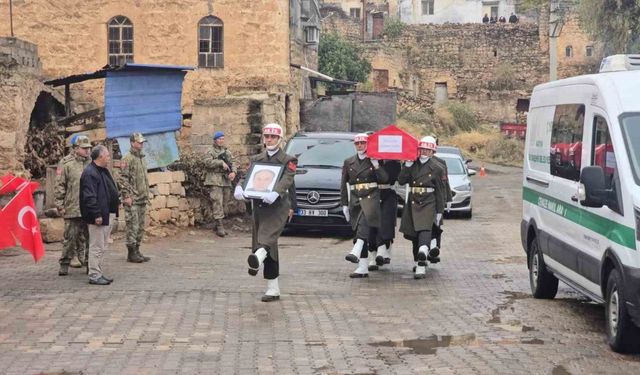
(408, 163)
(448, 206)
(438, 218)
(376, 163)
(238, 193)
(345, 211)
(269, 198)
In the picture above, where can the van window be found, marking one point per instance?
(631, 133)
(602, 153)
(566, 141)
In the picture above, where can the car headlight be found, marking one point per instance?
(465, 187)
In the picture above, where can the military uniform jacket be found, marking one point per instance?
(133, 178)
(389, 198)
(216, 175)
(269, 219)
(421, 208)
(447, 195)
(67, 191)
(363, 201)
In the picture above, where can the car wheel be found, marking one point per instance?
(544, 285)
(469, 214)
(622, 334)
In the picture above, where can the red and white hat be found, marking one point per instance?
(272, 129)
(361, 137)
(428, 142)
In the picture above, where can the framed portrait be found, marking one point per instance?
(261, 179)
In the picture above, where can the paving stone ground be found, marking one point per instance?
(194, 309)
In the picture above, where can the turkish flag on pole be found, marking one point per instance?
(392, 143)
(19, 221)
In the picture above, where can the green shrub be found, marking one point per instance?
(463, 117)
(504, 77)
(393, 27)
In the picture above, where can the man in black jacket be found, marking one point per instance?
(98, 200)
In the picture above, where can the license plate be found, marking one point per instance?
(303, 212)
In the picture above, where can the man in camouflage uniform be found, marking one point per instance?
(134, 187)
(221, 171)
(67, 201)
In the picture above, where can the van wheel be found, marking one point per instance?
(544, 284)
(622, 334)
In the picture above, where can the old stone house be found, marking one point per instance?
(453, 11)
(247, 54)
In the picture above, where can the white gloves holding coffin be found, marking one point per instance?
(269, 198)
(238, 193)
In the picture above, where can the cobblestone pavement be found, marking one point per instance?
(194, 309)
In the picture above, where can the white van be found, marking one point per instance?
(581, 192)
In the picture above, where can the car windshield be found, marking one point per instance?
(321, 152)
(631, 133)
(449, 150)
(454, 165)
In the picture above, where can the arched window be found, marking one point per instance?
(120, 36)
(210, 42)
(568, 52)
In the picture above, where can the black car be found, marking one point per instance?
(320, 159)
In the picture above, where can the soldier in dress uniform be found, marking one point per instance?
(75, 247)
(425, 203)
(436, 232)
(360, 198)
(389, 209)
(134, 186)
(221, 171)
(270, 214)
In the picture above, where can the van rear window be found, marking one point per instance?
(631, 133)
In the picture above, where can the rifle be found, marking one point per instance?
(228, 162)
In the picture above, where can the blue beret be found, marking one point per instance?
(74, 139)
(218, 134)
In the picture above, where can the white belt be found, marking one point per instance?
(419, 190)
(384, 186)
(364, 186)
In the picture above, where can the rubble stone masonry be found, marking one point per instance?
(20, 85)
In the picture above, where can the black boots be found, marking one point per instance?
(220, 228)
(64, 270)
(144, 258)
(132, 255)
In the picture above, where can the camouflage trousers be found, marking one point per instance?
(219, 195)
(76, 241)
(134, 217)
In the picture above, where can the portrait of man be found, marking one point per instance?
(262, 179)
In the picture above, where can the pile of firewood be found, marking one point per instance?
(44, 147)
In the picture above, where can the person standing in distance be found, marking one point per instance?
(219, 176)
(360, 199)
(270, 214)
(67, 200)
(134, 185)
(425, 204)
(98, 200)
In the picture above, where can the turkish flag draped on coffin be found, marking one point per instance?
(18, 219)
(392, 143)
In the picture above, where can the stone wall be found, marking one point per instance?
(20, 74)
(169, 203)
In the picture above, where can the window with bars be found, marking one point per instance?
(211, 42)
(120, 39)
(427, 7)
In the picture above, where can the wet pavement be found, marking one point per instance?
(194, 309)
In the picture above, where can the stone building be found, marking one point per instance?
(369, 16)
(243, 50)
(453, 11)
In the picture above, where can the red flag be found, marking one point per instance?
(20, 222)
(392, 143)
(10, 183)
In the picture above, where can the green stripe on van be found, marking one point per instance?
(618, 233)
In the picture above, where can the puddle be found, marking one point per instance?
(560, 370)
(511, 298)
(315, 343)
(527, 329)
(532, 341)
(429, 345)
(498, 276)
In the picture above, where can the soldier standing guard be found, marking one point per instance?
(389, 212)
(67, 201)
(360, 198)
(271, 213)
(134, 187)
(221, 171)
(425, 204)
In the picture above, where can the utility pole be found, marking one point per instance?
(556, 21)
(364, 17)
(11, 16)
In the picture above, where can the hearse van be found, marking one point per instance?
(581, 192)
